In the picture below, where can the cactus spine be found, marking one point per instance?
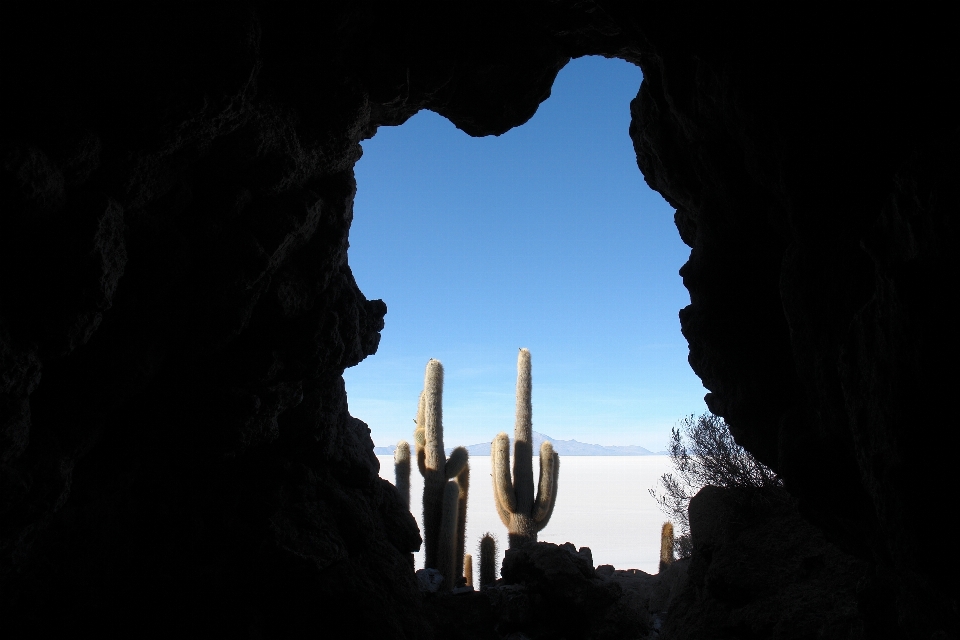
(523, 515)
(666, 545)
(445, 482)
(401, 468)
(488, 560)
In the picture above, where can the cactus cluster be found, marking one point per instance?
(446, 483)
(522, 514)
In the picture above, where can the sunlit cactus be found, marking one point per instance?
(488, 560)
(666, 545)
(401, 468)
(522, 514)
(443, 533)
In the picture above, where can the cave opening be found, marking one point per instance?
(546, 237)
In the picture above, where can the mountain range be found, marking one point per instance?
(563, 447)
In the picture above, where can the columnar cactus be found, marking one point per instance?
(666, 545)
(442, 532)
(523, 515)
(488, 560)
(401, 468)
(468, 569)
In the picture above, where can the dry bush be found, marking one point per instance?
(704, 453)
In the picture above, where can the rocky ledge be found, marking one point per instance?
(759, 570)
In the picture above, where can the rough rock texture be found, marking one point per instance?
(759, 570)
(176, 308)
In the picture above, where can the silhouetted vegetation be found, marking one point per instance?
(704, 453)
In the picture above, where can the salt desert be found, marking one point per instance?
(603, 503)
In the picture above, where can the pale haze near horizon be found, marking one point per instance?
(602, 503)
(545, 237)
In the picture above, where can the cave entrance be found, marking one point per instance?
(546, 237)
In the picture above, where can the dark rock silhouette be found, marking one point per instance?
(552, 591)
(759, 570)
(176, 308)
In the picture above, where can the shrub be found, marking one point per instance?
(704, 453)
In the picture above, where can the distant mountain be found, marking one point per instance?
(563, 447)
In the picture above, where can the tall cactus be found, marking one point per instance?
(523, 515)
(443, 532)
(401, 469)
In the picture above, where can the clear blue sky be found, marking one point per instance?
(546, 237)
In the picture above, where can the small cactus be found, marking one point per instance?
(666, 546)
(401, 468)
(439, 474)
(488, 560)
(468, 570)
(523, 515)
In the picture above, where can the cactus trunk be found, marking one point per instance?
(447, 544)
(463, 484)
(523, 436)
(433, 472)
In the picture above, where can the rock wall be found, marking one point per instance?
(176, 307)
(808, 160)
(177, 310)
(759, 570)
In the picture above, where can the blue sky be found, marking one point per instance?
(546, 237)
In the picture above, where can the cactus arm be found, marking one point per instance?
(503, 495)
(463, 483)
(422, 462)
(547, 491)
(523, 436)
(456, 463)
(447, 547)
(401, 467)
(419, 439)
